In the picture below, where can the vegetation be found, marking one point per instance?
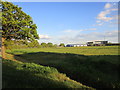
(17, 74)
(90, 50)
(98, 67)
(62, 45)
(50, 44)
(16, 25)
(30, 65)
(44, 45)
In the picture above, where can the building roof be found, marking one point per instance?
(99, 41)
(96, 41)
(76, 44)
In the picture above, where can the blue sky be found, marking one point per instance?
(73, 22)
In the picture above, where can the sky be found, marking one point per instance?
(73, 22)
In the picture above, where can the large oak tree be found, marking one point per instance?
(16, 25)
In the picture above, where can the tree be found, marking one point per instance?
(43, 44)
(62, 45)
(55, 45)
(49, 44)
(33, 44)
(16, 25)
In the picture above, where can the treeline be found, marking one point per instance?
(51, 45)
(18, 44)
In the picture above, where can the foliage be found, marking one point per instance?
(62, 45)
(49, 44)
(17, 44)
(55, 45)
(33, 44)
(43, 44)
(31, 75)
(10, 44)
(16, 24)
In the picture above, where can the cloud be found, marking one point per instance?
(71, 31)
(111, 36)
(106, 14)
(98, 21)
(44, 37)
(107, 35)
(114, 9)
(91, 29)
(103, 15)
(77, 31)
(69, 36)
(100, 24)
(108, 5)
(116, 17)
(68, 31)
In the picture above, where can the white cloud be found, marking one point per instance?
(68, 31)
(114, 9)
(107, 35)
(108, 5)
(115, 17)
(71, 31)
(69, 36)
(100, 24)
(44, 37)
(77, 31)
(111, 36)
(107, 14)
(103, 15)
(91, 29)
(98, 21)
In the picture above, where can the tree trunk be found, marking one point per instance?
(3, 48)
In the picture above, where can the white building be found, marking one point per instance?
(75, 45)
(97, 42)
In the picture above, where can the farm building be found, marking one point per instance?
(75, 45)
(97, 43)
(100, 42)
(94, 43)
(89, 43)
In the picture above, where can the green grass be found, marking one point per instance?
(97, 67)
(31, 75)
(91, 50)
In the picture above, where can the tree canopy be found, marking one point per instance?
(16, 24)
(62, 45)
(49, 44)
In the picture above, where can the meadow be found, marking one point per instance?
(90, 50)
(18, 74)
(95, 66)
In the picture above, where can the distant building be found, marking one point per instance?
(97, 43)
(75, 45)
(94, 43)
(100, 42)
(69, 45)
(89, 43)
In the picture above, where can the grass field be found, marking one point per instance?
(91, 50)
(97, 67)
(29, 75)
